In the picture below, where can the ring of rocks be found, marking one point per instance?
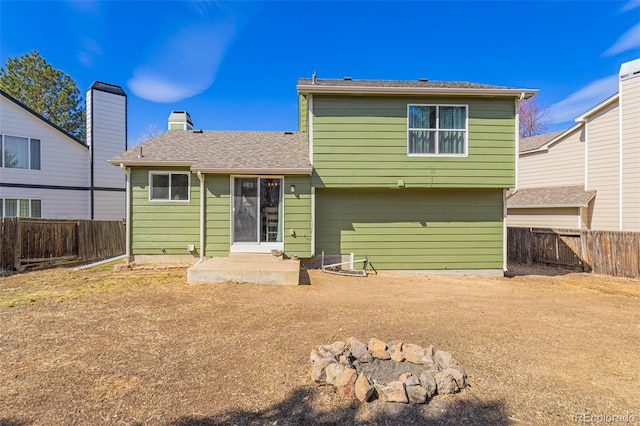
(391, 372)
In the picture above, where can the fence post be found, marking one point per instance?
(17, 254)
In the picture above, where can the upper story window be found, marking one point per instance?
(20, 153)
(437, 130)
(169, 186)
(20, 207)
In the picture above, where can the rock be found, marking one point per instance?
(413, 353)
(363, 389)
(337, 348)
(436, 367)
(395, 346)
(456, 366)
(375, 345)
(377, 391)
(428, 382)
(430, 350)
(446, 383)
(315, 355)
(427, 360)
(409, 379)
(359, 350)
(397, 356)
(380, 354)
(416, 394)
(332, 371)
(318, 372)
(443, 358)
(395, 392)
(458, 377)
(344, 359)
(325, 352)
(346, 383)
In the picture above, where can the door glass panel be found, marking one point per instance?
(245, 210)
(271, 210)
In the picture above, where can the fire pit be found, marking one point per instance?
(392, 372)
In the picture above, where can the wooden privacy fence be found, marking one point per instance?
(28, 243)
(603, 252)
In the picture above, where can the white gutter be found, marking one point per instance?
(202, 218)
(255, 171)
(153, 163)
(127, 213)
(350, 89)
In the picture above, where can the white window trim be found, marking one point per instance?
(438, 130)
(29, 201)
(169, 173)
(29, 139)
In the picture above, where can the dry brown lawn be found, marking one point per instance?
(142, 347)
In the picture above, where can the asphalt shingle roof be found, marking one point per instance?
(564, 196)
(535, 142)
(399, 83)
(222, 149)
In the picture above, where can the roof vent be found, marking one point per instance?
(288, 132)
(197, 130)
(180, 120)
(314, 78)
(346, 77)
(423, 79)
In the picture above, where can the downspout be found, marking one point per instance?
(127, 213)
(505, 212)
(620, 161)
(202, 213)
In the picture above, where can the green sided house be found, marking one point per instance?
(412, 174)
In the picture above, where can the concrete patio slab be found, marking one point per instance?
(244, 267)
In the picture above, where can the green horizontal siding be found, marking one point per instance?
(218, 215)
(413, 228)
(362, 142)
(162, 227)
(297, 216)
(303, 110)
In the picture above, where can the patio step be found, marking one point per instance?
(245, 267)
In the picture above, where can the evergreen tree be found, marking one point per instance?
(46, 90)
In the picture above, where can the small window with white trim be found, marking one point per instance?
(20, 207)
(437, 130)
(169, 186)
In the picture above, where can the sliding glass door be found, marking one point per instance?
(257, 214)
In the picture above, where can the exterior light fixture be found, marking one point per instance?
(293, 188)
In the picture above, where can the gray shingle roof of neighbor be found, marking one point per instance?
(535, 142)
(223, 150)
(547, 197)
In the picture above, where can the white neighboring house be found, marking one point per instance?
(588, 176)
(46, 172)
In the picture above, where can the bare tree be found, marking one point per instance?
(534, 118)
(151, 131)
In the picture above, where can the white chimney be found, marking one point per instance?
(180, 120)
(629, 92)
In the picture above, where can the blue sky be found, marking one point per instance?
(234, 65)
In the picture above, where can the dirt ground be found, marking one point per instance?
(99, 346)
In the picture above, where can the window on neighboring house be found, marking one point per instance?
(20, 153)
(165, 186)
(20, 207)
(437, 130)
